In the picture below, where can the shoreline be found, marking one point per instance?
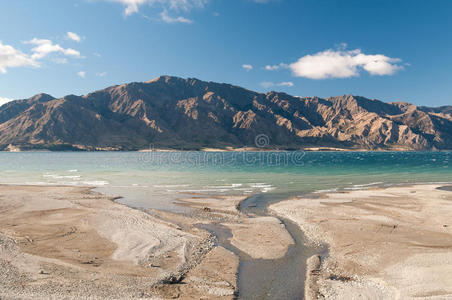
(228, 149)
(384, 243)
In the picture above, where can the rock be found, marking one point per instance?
(173, 279)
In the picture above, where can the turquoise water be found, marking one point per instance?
(156, 179)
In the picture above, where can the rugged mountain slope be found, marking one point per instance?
(191, 114)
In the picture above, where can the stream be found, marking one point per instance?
(269, 278)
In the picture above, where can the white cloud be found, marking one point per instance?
(269, 84)
(286, 84)
(247, 67)
(276, 67)
(45, 47)
(12, 58)
(133, 6)
(101, 74)
(81, 74)
(73, 36)
(4, 100)
(343, 63)
(168, 19)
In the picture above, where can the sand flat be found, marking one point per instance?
(393, 243)
(261, 237)
(71, 243)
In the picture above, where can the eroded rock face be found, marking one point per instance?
(191, 114)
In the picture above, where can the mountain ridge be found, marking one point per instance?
(191, 114)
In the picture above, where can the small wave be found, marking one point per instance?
(75, 177)
(139, 186)
(171, 185)
(260, 185)
(368, 184)
(266, 190)
(353, 188)
(95, 183)
(234, 185)
(326, 191)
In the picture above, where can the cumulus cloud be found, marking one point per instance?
(168, 19)
(73, 36)
(247, 67)
(101, 74)
(81, 74)
(269, 84)
(4, 100)
(343, 63)
(12, 58)
(45, 47)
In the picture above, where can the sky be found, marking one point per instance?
(391, 50)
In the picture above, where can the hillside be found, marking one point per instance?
(176, 113)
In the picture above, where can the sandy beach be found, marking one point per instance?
(392, 243)
(69, 243)
(72, 243)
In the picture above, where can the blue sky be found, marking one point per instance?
(391, 50)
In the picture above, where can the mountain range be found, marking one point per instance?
(190, 114)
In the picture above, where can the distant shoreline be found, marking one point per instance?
(230, 149)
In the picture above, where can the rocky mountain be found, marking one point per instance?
(177, 113)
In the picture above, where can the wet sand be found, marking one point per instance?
(393, 243)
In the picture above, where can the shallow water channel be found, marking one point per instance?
(269, 278)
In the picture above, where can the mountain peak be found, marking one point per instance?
(166, 79)
(42, 97)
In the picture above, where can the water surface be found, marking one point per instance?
(157, 179)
